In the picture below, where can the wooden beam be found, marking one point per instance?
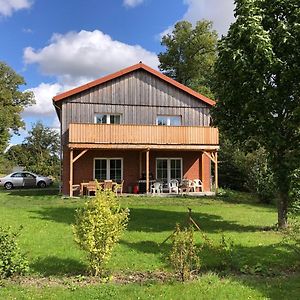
(106, 146)
(216, 173)
(210, 156)
(71, 173)
(80, 154)
(147, 171)
(141, 164)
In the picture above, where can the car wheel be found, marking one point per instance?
(42, 184)
(8, 185)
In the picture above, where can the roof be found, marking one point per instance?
(64, 95)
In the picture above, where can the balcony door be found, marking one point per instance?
(168, 169)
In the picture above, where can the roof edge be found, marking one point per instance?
(125, 71)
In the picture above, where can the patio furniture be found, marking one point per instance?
(186, 186)
(156, 187)
(91, 187)
(198, 185)
(119, 188)
(108, 185)
(173, 186)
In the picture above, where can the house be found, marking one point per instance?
(133, 122)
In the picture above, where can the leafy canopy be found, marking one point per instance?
(258, 75)
(12, 103)
(39, 152)
(190, 55)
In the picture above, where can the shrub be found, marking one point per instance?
(12, 261)
(98, 227)
(292, 236)
(295, 192)
(183, 257)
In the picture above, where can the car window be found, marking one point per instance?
(18, 175)
(28, 175)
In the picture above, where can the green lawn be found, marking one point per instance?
(47, 239)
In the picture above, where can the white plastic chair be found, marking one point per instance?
(156, 187)
(198, 184)
(173, 186)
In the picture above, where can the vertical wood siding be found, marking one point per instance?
(139, 97)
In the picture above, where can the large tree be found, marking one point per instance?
(39, 152)
(190, 55)
(258, 74)
(12, 103)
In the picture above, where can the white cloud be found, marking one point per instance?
(132, 3)
(76, 58)
(221, 12)
(86, 55)
(8, 7)
(43, 97)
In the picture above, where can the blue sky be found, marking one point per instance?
(57, 45)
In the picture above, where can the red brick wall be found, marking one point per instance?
(195, 165)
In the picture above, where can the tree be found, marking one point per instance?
(258, 75)
(39, 152)
(12, 103)
(190, 55)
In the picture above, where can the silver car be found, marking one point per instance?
(24, 179)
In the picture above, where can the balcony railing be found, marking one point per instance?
(142, 134)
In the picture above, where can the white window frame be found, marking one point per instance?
(169, 166)
(107, 117)
(108, 159)
(169, 119)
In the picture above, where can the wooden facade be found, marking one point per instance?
(138, 95)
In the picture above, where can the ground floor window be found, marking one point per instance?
(168, 169)
(108, 168)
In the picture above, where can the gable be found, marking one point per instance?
(90, 87)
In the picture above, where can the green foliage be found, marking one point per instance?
(190, 55)
(183, 257)
(258, 85)
(98, 227)
(292, 236)
(244, 171)
(39, 153)
(295, 191)
(12, 103)
(12, 262)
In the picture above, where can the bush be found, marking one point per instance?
(295, 192)
(98, 227)
(12, 262)
(183, 255)
(292, 236)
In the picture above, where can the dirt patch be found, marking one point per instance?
(81, 280)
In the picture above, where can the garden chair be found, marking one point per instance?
(156, 187)
(173, 186)
(119, 188)
(186, 186)
(108, 184)
(198, 185)
(91, 187)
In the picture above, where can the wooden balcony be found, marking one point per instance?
(107, 136)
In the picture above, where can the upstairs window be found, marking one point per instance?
(108, 119)
(168, 120)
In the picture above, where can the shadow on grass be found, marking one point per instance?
(154, 220)
(55, 266)
(37, 192)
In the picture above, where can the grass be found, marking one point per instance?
(47, 239)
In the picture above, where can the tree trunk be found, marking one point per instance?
(282, 208)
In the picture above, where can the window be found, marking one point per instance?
(108, 168)
(168, 169)
(17, 175)
(168, 120)
(108, 119)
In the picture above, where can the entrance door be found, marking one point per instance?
(168, 169)
(29, 180)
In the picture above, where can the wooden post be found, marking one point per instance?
(141, 164)
(71, 173)
(216, 172)
(147, 171)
